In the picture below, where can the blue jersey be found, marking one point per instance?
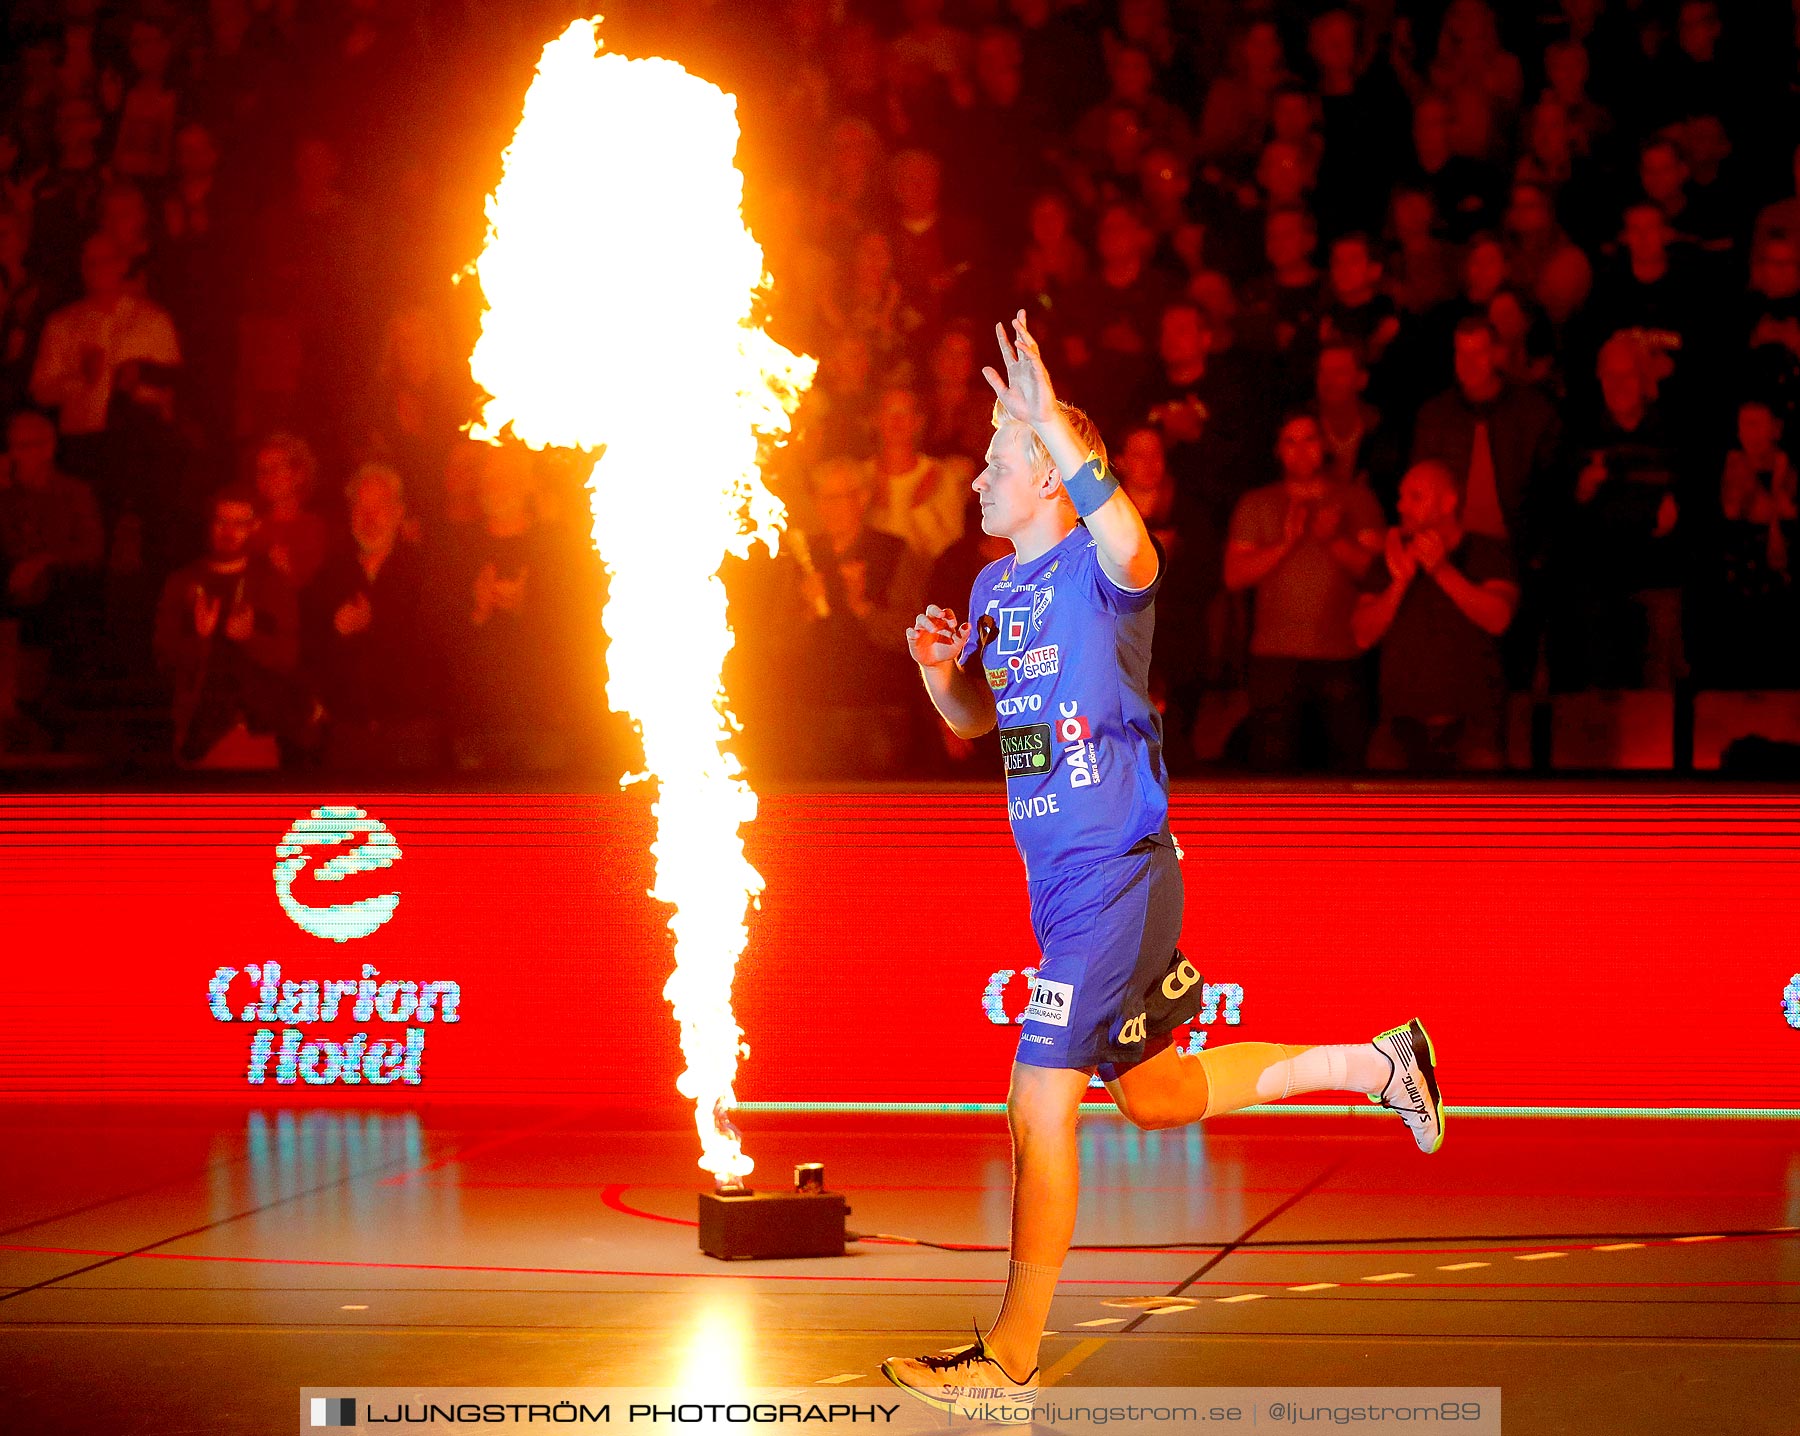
(1080, 742)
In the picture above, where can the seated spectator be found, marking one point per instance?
(1206, 412)
(1284, 176)
(1360, 448)
(920, 500)
(999, 159)
(65, 203)
(1768, 322)
(1236, 111)
(1622, 562)
(836, 416)
(50, 550)
(1422, 267)
(1497, 439)
(1663, 177)
(125, 220)
(938, 262)
(419, 398)
(849, 193)
(1757, 624)
(1526, 355)
(21, 312)
(1112, 319)
(1054, 263)
(1542, 260)
(872, 303)
(1283, 304)
(194, 271)
(1655, 293)
(1353, 305)
(227, 639)
(101, 360)
(503, 606)
(146, 131)
(1481, 81)
(289, 535)
(1364, 119)
(1439, 599)
(1304, 544)
(1133, 87)
(1293, 121)
(930, 53)
(860, 587)
(1190, 552)
(1566, 68)
(364, 641)
(959, 404)
(1465, 191)
(1165, 185)
(1780, 219)
(1719, 211)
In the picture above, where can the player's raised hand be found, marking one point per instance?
(935, 637)
(1026, 395)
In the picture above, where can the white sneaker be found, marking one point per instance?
(964, 1381)
(1412, 1089)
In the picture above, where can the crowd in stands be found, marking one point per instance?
(1450, 350)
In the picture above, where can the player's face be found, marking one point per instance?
(1008, 486)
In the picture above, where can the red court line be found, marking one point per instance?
(916, 1280)
(1328, 1190)
(613, 1196)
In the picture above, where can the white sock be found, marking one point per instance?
(1023, 1311)
(1346, 1067)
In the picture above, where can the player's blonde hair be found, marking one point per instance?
(1085, 429)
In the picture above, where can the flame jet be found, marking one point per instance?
(618, 278)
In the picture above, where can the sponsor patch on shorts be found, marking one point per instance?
(1025, 750)
(1050, 1002)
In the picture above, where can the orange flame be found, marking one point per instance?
(619, 276)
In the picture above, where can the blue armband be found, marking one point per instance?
(1091, 485)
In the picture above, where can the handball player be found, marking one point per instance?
(1057, 657)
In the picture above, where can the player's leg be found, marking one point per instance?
(1397, 1069)
(1041, 1110)
(1001, 1366)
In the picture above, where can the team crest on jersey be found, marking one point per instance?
(1015, 630)
(1040, 602)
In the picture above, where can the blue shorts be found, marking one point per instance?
(1111, 986)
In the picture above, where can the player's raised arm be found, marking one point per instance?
(1121, 541)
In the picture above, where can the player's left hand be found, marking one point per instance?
(1026, 395)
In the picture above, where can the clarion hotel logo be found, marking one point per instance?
(313, 854)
